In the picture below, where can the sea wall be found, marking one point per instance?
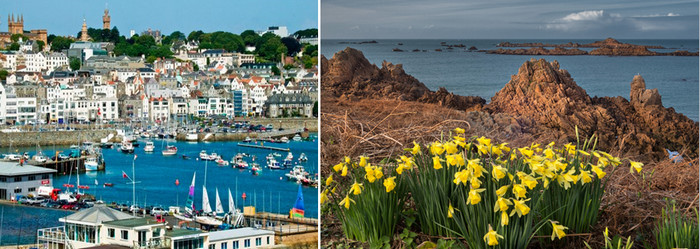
(288, 123)
(32, 138)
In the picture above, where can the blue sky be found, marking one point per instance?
(64, 17)
(527, 19)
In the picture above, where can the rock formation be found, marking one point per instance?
(538, 51)
(351, 75)
(608, 47)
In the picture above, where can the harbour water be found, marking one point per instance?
(481, 74)
(18, 224)
(155, 174)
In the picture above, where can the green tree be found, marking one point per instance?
(195, 67)
(292, 45)
(194, 35)
(275, 70)
(60, 43)
(306, 33)
(14, 46)
(250, 37)
(146, 41)
(15, 37)
(271, 47)
(41, 45)
(3, 74)
(74, 63)
(311, 50)
(50, 38)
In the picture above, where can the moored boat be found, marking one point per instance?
(303, 158)
(91, 164)
(126, 147)
(297, 138)
(169, 151)
(149, 147)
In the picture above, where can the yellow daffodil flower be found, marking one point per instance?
(595, 154)
(558, 230)
(436, 162)
(462, 177)
(529, 181)
(550, 145)
(502, 190)
(519, 190)
(369, 173)
(450, 147)
(483, 150)
(583, 153)
(549, 153)
(484, 141)
(346, 202)
(390, 184)
(459, 130)
(598, 171)
(345, 171)
(478, 169)
(338, 167)
(378, 172)
(491, 238)
(585, 176)
(501, 205)
(459, 139)
(636, 166)
(347, 159)
(356, 188)
(363, 161)
(496, 151)
(498, 172)
(436, 148)
(504, 148)
(526, 152)
(329, 180)
(475, 182)
(603, 161)
(450, 211)
(460, 143)
(504, 218)
(520, 207)
(415, 149)
(474, 197)
(324, 196)
(570, 148)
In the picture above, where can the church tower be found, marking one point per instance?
(106, 20)
(15, 27)
(84, 33)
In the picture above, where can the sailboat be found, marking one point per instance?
(234, 216)
(189, 209)
(219, 211)
(298, 209)
(206, 209)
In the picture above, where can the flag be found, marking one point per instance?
(96, 182)
(177, 182)
(124, 174)
(135, 156)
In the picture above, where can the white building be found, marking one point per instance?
(280, 31)
(17, 110)
(241, 238)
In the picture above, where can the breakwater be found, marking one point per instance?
(287, 123)
(32, 138)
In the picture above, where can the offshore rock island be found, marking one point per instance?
(609, 47)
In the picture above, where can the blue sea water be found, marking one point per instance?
(18, 224)
(481, 74)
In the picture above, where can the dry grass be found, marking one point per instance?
(382, 128)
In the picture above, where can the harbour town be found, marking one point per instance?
(150, 140)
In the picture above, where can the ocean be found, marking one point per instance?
(481, 74)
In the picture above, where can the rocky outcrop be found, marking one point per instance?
(548, 95)
(624, 51)
(350, 75)
(538, 51)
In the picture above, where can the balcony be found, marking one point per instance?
(153, 243)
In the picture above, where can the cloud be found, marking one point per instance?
(356, 27)
(585, 20)
(671, 14)
(428, 26)
(589, 15)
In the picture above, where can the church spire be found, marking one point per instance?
(84, 31)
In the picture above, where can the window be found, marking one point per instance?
(268, 240)
(125, 234)
(31, 189)
(31, 178)
(235, 244)
(45, 176)
(110, 232)
(246, 243)
(3, 179)
(224, 245)
(18, 179)
(18, 190)
(212, 246)
(258, 241)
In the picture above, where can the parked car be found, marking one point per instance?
(36, 200)
(158, 211)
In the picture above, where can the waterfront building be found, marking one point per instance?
(285, 105)
(16, 179)
(241, 238)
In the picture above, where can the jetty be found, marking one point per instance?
(263, 147)
(66, 166)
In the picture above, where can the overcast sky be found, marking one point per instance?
(528, 19)
(65, 17)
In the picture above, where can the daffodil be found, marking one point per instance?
(363, 161)
(526, 152)
(498, 172)
(483, 150)
(501, 204)
(558, 230)
(474, 197)
(519, 190)
(378, 172)
(478, 169)
(415, 149)
(390, 184)
(585, 176)
(504, 148)
(504, 218)
(598, 171)
(462, 177)
(570, 148)
(520, 207)
(475, 182)
(356, 188)
(551, 144)
(491, 238)
(502, 190)
(450, 211)
(436, 148)
(436, 162)
(347, 160)
(346, 202)
(484, 141)
(455, 160)
(345, 171)
(603, 161)
(636, 166)
(549, 153)
(459, 130)
(450, 147)
(338, 167)
(329, 180)
(459, 139)
(583, 153)
(566, 179)
(324, 196)
(369, 173)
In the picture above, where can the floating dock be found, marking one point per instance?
(263, 147)
(66, 166)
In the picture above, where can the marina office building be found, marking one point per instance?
(16, 179)
(103, 226)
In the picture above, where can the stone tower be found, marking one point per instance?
(106, 20)
(84, 33)
(15, 27)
